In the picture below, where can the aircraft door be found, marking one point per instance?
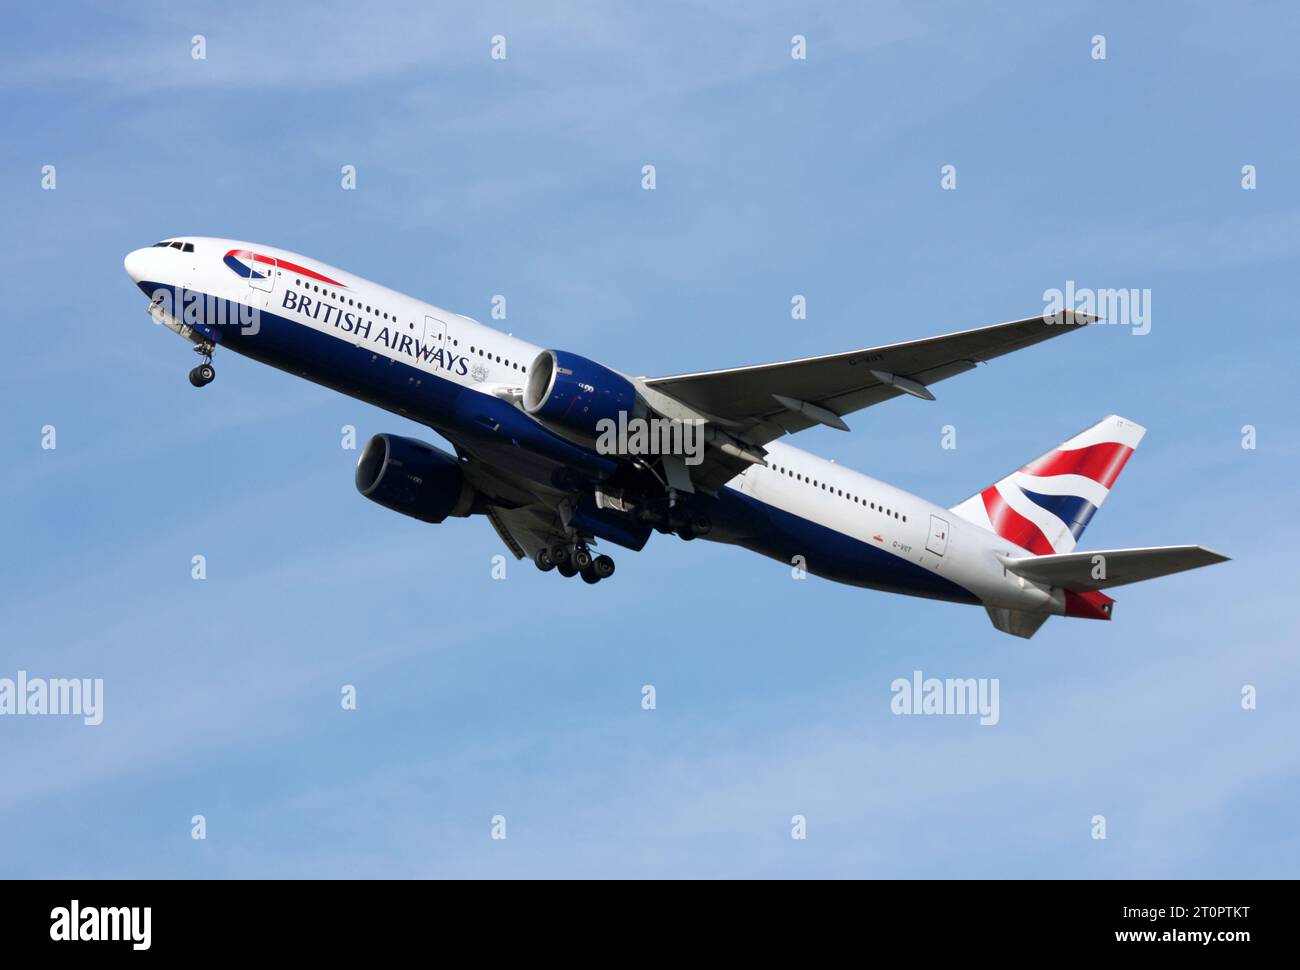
(937, 543)
(262, 273)
(435, 336)
(435, 332)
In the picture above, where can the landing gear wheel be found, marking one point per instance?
(581, 559)
(701, 524)
(203, 374)
(603, 567)
(589, 576)
(566, 570)
(686, 533)
(542, 560)
(559, 554)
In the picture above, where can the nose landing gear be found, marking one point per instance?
(202, 375)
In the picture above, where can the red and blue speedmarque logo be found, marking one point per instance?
(246, 270)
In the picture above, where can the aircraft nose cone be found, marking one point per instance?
(135, 264)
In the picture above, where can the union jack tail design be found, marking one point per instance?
(1045, 506)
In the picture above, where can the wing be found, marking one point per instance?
(766, 401)
(1075, 570)
(525, 514)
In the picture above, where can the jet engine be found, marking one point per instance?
(413, 478)
(575, 394)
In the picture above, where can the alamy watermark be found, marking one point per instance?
(956, 696)
(1124, 308)
(194, 307)
(651, 436)
(94, 924)
(55, 697)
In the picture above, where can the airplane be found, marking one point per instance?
(527, 425)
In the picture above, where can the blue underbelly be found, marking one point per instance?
(492, 429)
(782, 535)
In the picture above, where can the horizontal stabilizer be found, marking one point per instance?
(1104, 568)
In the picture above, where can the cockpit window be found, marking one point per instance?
(187, 248)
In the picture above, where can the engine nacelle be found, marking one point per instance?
(575, 393)
(413, 478)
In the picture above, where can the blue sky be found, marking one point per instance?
(522, 697)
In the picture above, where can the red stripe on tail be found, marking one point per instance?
(1012, 526)
(1101, 462)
